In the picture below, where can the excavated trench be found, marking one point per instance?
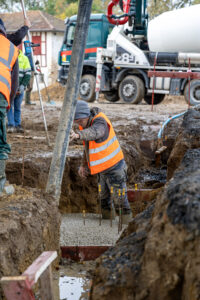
(29, 165)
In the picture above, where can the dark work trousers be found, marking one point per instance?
(4, 146)
(115, 177)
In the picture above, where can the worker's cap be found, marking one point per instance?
(82, 110)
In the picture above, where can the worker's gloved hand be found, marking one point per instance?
(74, 135)
(83, 172)
(21, 89)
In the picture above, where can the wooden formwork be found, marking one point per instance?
(20, 287)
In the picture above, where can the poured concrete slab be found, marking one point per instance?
(73, 232)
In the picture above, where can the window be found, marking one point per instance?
(70, 34)
(94, 34)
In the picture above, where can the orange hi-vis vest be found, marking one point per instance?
(8, 57)
(103, 156)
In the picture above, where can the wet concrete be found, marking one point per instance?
(75, 233)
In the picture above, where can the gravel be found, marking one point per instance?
(75, 233)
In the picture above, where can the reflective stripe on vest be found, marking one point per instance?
(102, 160)
(8, 57)
(103, 156)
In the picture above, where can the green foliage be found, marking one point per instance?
(67, 8)
(50, 7)
(157, 7)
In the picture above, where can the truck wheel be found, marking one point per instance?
(131, 89)
(111, 96)
(158, 98)
(87, 88)
(194, 92)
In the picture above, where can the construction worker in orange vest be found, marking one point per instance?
(103, 156)
(8, 87)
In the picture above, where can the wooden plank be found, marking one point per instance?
(35, 270)
(46, 286)
(17, 288)
(83, 253)
(30, 137)
(12, 278)
(161, 150)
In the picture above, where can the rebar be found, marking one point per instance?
(100, 212)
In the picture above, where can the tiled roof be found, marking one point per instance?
(40, 21)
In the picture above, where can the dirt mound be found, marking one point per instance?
(158, 257)
(29, 225)
(188, 138)
(55, 92)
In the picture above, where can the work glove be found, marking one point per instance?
(74, 135)
(21, 89)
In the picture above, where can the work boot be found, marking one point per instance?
(126, 216)
(19, 129)
(28, 99)
(106, 214)
(11, 129)
(4, 189)
(2, 175)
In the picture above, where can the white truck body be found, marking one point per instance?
(126, 66)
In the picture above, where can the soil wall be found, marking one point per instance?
(158, 257)
(29, 225)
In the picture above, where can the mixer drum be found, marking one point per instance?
(176, 31)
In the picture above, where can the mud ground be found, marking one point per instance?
(136, 126)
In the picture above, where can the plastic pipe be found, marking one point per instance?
(166, 122)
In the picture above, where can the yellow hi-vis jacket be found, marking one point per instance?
(105, 155)
(8, 57)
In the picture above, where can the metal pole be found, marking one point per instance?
(36, 78)
(70, 99)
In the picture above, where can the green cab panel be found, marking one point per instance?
(98, 31)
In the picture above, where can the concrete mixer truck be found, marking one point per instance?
(98, 31)
(160, 57)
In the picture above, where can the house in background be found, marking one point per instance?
(46, 30)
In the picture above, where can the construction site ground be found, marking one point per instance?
(136, 126)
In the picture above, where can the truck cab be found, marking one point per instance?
(98, 31)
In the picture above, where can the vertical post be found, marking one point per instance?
(154, 79)
(111, 204)
(189, 80)
(100, 211)
(46, 288)
(68, 109)
(36, 79)
(120, 211)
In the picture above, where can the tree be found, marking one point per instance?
(50, 7)
(157, 7)
(62, 10)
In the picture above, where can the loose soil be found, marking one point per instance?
(136, 126)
